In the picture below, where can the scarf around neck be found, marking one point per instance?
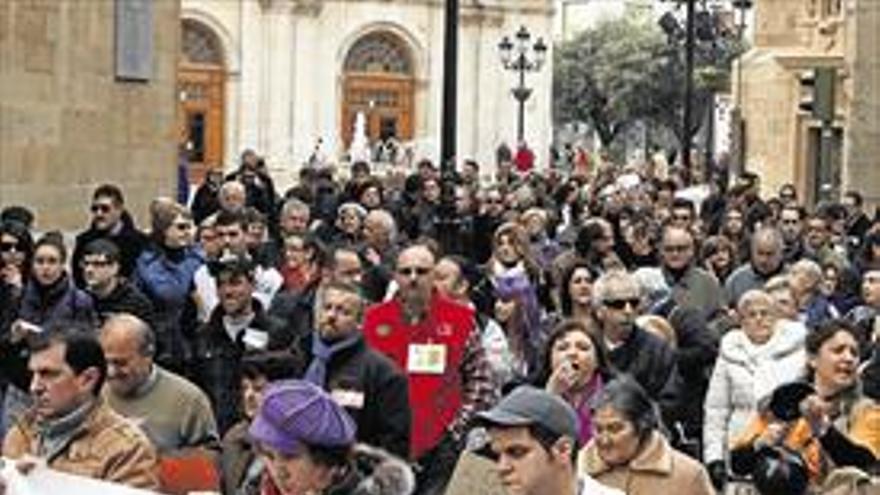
(322, 352)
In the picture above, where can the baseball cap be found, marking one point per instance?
(527, 405)
(294, 413)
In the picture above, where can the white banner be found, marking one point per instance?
(44, 481)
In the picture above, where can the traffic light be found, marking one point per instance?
(817, 93)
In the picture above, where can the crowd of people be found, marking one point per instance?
(626, 329)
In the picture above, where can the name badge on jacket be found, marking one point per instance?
(426, 358)
(348, 398)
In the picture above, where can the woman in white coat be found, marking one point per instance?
(764, 352)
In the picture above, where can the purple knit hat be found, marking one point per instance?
(294, 413)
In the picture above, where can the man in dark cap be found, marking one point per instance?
(534, 436)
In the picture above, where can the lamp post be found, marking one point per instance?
(521, 56)
(740, 132)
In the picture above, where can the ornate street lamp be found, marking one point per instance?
(521, 56)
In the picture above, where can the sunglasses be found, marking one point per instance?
(413, 271)
(621, 303)
(6, 247)
(100, 208)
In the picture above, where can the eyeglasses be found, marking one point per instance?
(419, 271)
(95, 263)
(677, 248)
(621, 303)
(47, 260)
(6, 247)
(101, 208)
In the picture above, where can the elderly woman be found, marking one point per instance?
(814, 307)
(753, 360)
(574, 367)
(629, 453)
(835, 425)
(349, 223)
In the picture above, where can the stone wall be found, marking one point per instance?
(789, 43)
(863, 137)
(67, 125)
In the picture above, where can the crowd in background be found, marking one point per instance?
(389, 327)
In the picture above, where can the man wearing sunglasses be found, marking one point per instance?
(110, 221)
(631, 349)
(434, 341)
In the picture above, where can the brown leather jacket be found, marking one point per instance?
(106, 447)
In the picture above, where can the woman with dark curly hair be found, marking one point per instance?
(573, 365)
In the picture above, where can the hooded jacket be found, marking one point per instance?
(744, 374)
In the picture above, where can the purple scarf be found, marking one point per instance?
(584, 412)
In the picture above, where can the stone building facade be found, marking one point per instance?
(791, 39)
(285, 74)
(68, 123)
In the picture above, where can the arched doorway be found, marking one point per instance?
(201, 81)
(379, 83)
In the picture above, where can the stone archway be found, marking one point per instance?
(201, 85)
(379, 82)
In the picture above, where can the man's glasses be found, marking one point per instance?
(677, 248)
(100, 208)
(621, 303)
(6, 247)
(419, 271)
(95, 263)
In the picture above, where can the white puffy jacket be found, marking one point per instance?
(744, 374)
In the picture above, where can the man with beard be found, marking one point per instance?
(433, 339)
(765, 263)
(110, 221)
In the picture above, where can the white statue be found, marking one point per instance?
(360, 146)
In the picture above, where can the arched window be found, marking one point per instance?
(379, 52)
(199, 44)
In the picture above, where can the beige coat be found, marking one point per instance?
(107, 447)
(657, 468)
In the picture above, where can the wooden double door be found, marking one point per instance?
(387, 104)
(201, 117)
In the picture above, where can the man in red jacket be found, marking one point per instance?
(434, 340)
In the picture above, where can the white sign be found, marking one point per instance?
(44, 481)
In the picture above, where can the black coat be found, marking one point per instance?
(126, 298)
(651, 362)
(129, 240)
(361, 374)
(218, 358)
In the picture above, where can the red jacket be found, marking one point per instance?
(435, 397)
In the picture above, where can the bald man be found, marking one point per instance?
(173, 412)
